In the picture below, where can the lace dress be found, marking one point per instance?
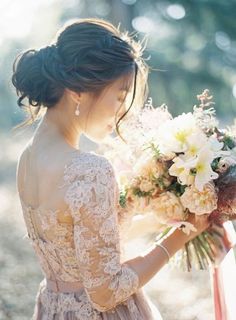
(81, 252)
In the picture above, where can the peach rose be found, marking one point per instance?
(167, 206)
(200, 202)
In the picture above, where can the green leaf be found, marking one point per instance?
(228, 142)
(139, 193)
(215, 164)
(122, 200)
(155, 149)
(177, 188)
(160, 183)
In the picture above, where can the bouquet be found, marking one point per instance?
(173, 166)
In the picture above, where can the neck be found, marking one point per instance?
(53, 125)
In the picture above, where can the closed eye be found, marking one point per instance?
(122, 95)
(121, 99)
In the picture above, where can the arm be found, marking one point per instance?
(107, 281)
(148, 264)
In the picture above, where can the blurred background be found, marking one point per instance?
(191, 46)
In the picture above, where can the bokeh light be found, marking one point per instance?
(222, 40)
(176, 11)
(234, 90)
(143, 24)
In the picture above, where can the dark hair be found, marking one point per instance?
(87, 56)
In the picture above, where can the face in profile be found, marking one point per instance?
(99, 115)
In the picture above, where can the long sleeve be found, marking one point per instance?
(92, 197)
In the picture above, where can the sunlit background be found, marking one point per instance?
(191, 46)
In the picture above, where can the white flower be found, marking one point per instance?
(198, 156)
(202, 165)
(181, 170)
(216, 147)
(174, 133)
(195, 142)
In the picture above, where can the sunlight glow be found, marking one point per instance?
(17, 17)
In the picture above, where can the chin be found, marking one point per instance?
(98, 138)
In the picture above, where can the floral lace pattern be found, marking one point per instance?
(92, 196)
(58, 303)
(56, 256)
(87, 250)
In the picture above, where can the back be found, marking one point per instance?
(39, 171)
(74, 227)
(42, 191)
(53, 189)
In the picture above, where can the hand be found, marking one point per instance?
(201, 223)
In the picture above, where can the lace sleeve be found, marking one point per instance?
(92, 200)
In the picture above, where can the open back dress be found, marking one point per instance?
(76, 233)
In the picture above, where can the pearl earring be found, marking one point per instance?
(77, 111)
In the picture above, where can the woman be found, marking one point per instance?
(85, 80)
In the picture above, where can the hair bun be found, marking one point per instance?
(46, 53)
(34, 76)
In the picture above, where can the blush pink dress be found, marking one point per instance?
(80, 248)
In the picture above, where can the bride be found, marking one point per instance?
(89, 77)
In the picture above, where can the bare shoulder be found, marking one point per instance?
(21, 168)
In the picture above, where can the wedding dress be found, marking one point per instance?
(77, 237)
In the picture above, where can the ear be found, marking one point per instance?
(75, 96)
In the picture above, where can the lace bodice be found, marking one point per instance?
(84, 243)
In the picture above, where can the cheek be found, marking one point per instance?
(104, 112)
(110, 107)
